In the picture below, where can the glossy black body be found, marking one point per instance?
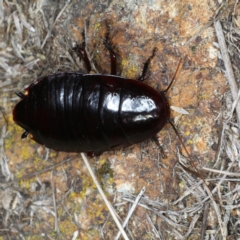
(75, 112)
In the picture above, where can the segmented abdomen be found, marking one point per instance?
(73, 112)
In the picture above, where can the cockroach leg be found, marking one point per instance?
(24, 135)
(146, 65)
(20, 94)
(82, 53)
(109, 47)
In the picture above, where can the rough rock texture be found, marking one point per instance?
(136, 28)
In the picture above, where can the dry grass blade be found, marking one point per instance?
(222, 224)
(54, 206)
(205, 213)
(222, 172)
(109, 206)
(30, 175)
(54, 23)
(179, 110)
(157, 234)
(228, 66)
(131, 210)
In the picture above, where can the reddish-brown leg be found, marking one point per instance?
(109, 47)
(81, 51)
(146, 65)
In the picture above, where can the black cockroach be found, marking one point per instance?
(76, 112)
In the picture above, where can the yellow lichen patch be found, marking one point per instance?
(182, 185)
(97, 57)
(124, 66)
(13, 130)
(97, 210)
(25, 183)
(187, 133)
(97, 26)
(37, 160)
(53, 154)
(67, 227)
(25, 153)
(129, 71)
(102, 161)
(11, 123)
(89, 235)
(203, 96)
(8, 143)
(37, 237)
(190, 142)
(19, 173)
(124, 62)
(87, 185)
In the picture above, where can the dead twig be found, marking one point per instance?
(227, 63)
(108, 204)
(30, 175)
(51, 28)
(54, 205)
(204, 221)
(233, 174)
(131, 210)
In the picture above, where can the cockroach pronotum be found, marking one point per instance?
(76, 112)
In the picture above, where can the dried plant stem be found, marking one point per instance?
(54, 205)
(51, 28)
(157, 234)
(204, 221)
(131, 210)
(198, 33)
(222, 225)
(228, 66)
(108, 204)
(30, 175)
(233, 174)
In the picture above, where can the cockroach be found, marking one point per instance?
(92, 113)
